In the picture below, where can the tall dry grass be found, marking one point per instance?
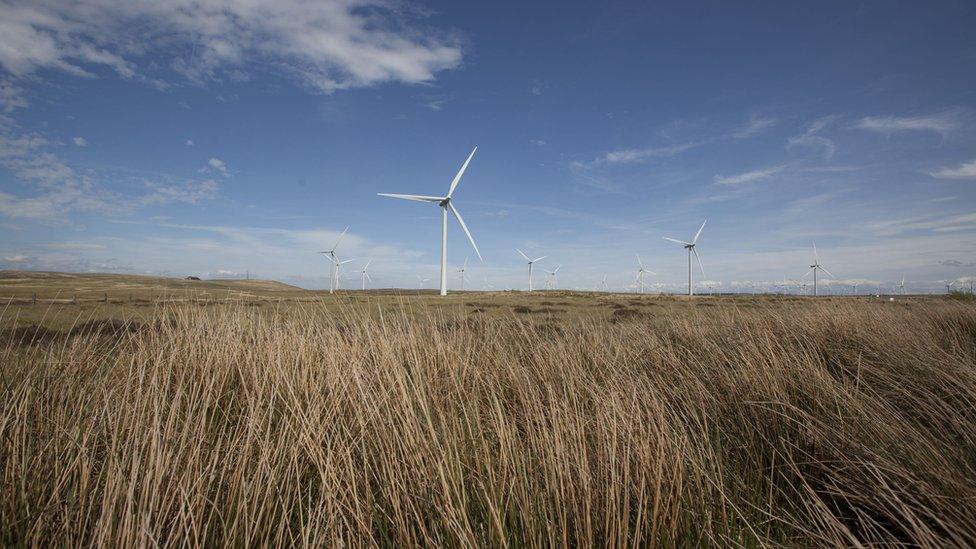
(827, 424)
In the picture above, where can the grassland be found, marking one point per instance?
(252, 413)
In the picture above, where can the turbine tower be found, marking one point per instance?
(531, 261)
(445, 203)
(603, 283)
(640, 275)
(365, 274)
(422, 280)
(334, 259)
(814, 268)
(902, 285)
(690, 246)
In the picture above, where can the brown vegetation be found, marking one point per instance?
(829, 423)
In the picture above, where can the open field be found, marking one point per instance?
(247, 413)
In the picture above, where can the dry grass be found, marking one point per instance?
(831, 423)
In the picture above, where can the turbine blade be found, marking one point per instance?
(825, 270)
(699, 261)
(808, 272)
(682, 242)
(342, 234)
(557, 269)
(639, 264)
(368, 277)
(367, 264)
(457, 214)
(414, 197)
(816, 259)
(457, 178)
(523, 255)
(695, 240)
(539, 258)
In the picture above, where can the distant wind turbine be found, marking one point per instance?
(445, 203)
(334, 260)
(422, 280)
(461, 272)
(816, 267)
(690, 246)
(337, 267)
(640, 275)
(902, 285)
(603, 283)
(551, 280)
(531, 261)
(365, 274)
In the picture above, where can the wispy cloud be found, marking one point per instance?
(329, 45)
(635, 156)
(965, 171)
(941, 123)
(747, 177)
(80, 141)
(811, 137)
(216, 165)
(754, 126)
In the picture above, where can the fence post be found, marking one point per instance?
(34, 299)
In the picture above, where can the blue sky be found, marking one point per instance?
(214, 137)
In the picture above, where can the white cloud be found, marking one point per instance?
(965, 171)
(18, 258)
(634, 156)
(753, 127)
(60, 191)
(11, 97)
(190, 192)
(890, 124)
(218, 165)
(189, 143)
(747, 177)
(810, 137)
(329, 44)
(80, 141)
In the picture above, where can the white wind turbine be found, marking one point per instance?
(690, 246)
(640, 274)
(902, 285)
(816, 267)
(422, 280)
(365, 274)
(551, 280)
(461, 272)
(531, 261)
(334, 259)
(603, 283)
(337, 267)
(445, 203)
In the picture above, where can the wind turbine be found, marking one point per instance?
(640, 274)
(461, 272)
(603, 283)
(422, 280)
(445, 203)
(902, 285)
(334, 260)
(816, 267)
(531, 261)
(337, 266)
(551, 280)
(690, 246)
(488, 285)
(365, 274)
